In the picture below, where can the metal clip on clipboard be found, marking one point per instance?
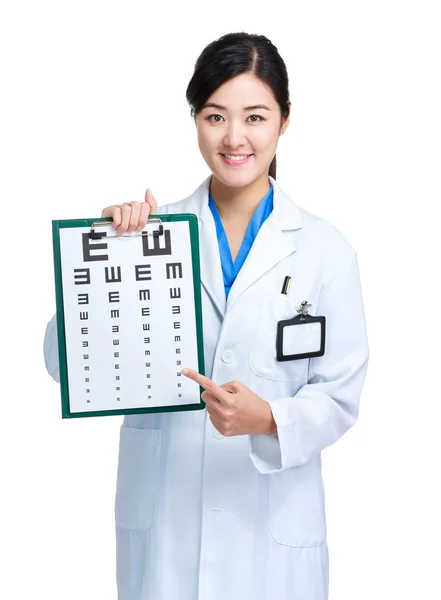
(94, 235)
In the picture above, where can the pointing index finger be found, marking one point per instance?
(204, 382)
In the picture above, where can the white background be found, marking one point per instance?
(93, 111)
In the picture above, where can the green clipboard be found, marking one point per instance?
(58, 225)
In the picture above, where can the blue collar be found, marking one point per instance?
(230, 269)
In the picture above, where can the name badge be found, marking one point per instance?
(302, 336)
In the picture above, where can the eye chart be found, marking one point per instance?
(129, 316)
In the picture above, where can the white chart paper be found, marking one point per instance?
(129, 313)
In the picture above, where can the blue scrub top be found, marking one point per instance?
(231, 269)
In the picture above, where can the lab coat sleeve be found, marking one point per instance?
(327, 406)
(50, 349)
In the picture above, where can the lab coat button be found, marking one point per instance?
(227, 356)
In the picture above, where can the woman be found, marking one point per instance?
(228, 503)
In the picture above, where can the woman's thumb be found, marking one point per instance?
(150, 199)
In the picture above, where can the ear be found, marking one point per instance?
(284, 125)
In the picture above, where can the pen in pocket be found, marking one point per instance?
(286, 284)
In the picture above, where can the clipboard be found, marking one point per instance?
(82, 394)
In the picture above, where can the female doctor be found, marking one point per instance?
(228, 503)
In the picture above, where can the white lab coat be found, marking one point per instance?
(200, 516)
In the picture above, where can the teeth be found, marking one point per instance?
(236, 157)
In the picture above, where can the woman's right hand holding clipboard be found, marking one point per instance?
(131, 216)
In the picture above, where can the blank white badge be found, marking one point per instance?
(301, 339)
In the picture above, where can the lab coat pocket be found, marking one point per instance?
(263, 353)
(138, 478)
(297, 507)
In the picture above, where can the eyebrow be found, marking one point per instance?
(220, 107)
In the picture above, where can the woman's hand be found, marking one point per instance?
(233, 408)
(131, 216)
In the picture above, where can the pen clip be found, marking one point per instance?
(286, 285)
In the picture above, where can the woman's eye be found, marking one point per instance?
(209, 118)
(258, 117)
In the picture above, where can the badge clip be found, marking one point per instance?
(303, 309)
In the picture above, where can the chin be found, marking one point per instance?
(235, 180)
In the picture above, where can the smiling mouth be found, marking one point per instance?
(236, 161)
(236, 156)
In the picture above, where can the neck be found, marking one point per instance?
(241, 202)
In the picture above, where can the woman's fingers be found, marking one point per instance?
(126, 211)
(146, 210)
(215, 390)
(134, 216)
(131, 216)
(113, 212)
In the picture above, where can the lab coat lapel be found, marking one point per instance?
(271, 244)
(211, 267)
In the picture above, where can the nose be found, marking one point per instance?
(234, 135)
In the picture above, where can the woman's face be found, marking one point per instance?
(238, 130)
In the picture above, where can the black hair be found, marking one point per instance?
(230, 56)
